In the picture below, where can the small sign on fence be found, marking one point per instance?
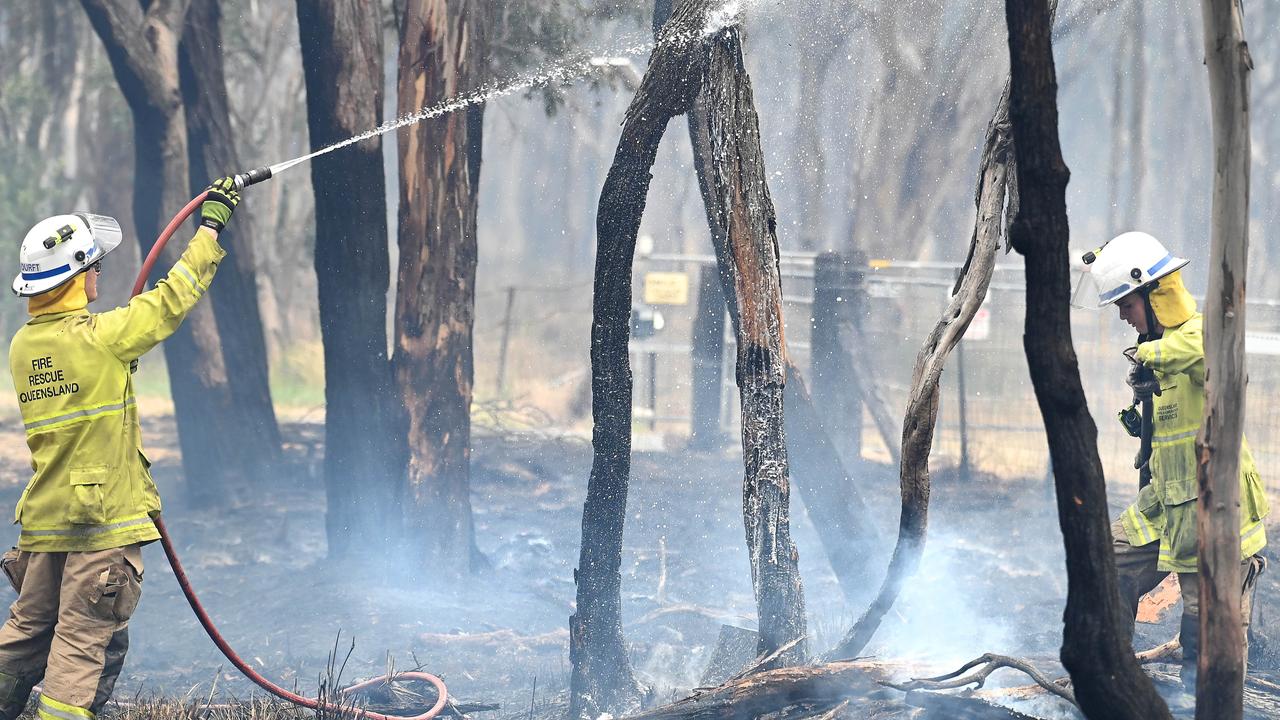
(666, 288)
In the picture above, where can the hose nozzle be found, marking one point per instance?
(252, 177)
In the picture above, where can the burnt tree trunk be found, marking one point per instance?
(212, 153)
(1096, 647)
(341, 43)
(602, 679)
(821, 477)
(441, 55)
(143, 50)
(745, 209)
(1220, 679)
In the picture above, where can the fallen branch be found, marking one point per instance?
(822, 688)
(762, 660)
(989, 663)
(1171, 650)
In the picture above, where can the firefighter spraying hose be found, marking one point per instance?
(91, 503)
(241, 181)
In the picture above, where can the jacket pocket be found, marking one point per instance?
(1255, 500)
(88, 502)
(14, 565)
(1173, 469)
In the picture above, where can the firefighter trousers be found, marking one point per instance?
(1138, 575)
(69, 627)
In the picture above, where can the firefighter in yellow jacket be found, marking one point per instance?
(87, 510)
(1156, 535)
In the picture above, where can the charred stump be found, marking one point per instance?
(1096, 648)
(602, 680)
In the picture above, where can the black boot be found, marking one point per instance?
(14, 694)
(1190, 651)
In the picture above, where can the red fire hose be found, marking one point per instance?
(167, 543)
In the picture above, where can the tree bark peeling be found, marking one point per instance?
(745, 209)
(435, 301)
(1220, 679)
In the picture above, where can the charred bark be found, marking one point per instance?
(995, 174)
(341, 43)
(602, 679)
(1220, 679)
(143, 51)
(212, 153)
(441, 55)
(1096, 647)
(745, 210)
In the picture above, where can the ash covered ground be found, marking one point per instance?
(991, 581)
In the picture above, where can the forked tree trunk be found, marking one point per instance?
(212, 152)
(441, 55)
(143, 50)
(745, 209)
(341, 43)
(602, 679)
(1096, 646)
(1220, 680)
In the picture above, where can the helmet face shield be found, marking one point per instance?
(105, 230)
(1084, 286)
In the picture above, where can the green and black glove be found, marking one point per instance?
(221, 200)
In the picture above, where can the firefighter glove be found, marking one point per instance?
(1143, 381)
(220, 201)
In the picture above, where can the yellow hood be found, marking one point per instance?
(64, 298)
(1171, 302)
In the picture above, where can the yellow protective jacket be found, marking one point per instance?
(92, 489)
(1166, 509)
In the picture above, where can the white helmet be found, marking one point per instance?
(1128, 262)
(61, 247)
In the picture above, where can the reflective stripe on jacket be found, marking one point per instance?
(92, 489)
(1166, 509)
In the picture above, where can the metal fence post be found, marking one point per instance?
(837, 298)
(708, 354)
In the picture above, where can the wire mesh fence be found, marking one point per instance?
(533, 350)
